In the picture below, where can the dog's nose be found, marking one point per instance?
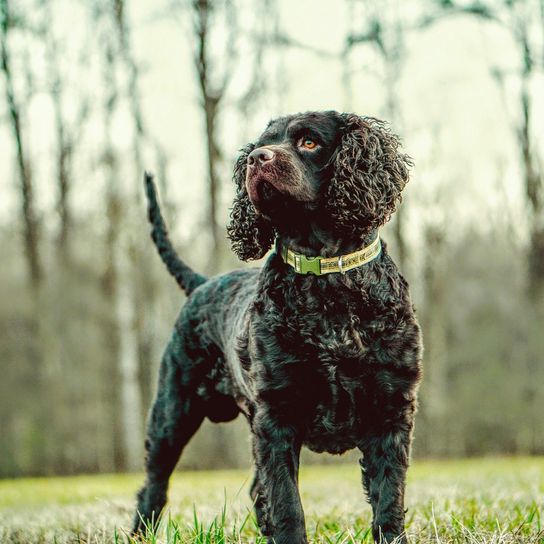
(261, 155)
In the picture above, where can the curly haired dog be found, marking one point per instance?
(329, 359)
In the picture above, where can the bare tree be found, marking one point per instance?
(262, 41)
(521, 22)
(435, 396)
(145, 292)
(119, 10)
(212, 88)
(345, 58)
(28, 207)
(384, 30)
(43, 352)
(119, 278)
(67, 132)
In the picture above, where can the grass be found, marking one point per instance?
(485, 501)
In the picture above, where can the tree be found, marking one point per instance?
(521, 22)
(31, 231)
(212, 87)
(435, 403)
(119, 277)
(526, 29)
(384, 30)
(67, 132)
(44, 350)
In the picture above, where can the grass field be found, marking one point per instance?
(499, 501)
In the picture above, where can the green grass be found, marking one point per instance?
(491, 501)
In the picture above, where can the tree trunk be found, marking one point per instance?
(131, 403)
(144, 288)
(534, 191)
(390, 47)
(210, 102)
(31, 227)
(112, 425)
(400, 239)
(434, 410)
(122, 289)
(63, 183)
(393, 58)
(43, 355)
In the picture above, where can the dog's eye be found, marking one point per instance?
(307, 143)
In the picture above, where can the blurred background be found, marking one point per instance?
(92, 92)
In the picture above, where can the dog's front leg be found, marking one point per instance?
(384, 464)
(277, 450)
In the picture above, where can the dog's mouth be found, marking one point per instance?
(266, 191)
(272, 192)
(263, 192)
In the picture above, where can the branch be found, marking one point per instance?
(283, 40)
(372, 35)
(448, 8)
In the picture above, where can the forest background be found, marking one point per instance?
(93, 92)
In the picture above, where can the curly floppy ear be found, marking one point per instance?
(369, 176)
(250, 233)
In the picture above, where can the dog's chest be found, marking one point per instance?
(336, 424)
(328, 360)
(340, 372)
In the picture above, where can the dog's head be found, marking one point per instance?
(341, 172)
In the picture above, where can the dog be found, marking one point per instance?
(320, 347)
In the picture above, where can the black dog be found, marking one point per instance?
(323, 352)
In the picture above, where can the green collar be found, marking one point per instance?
(327, 265)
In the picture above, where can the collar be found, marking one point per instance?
(319, 266)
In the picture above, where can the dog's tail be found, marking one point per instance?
(186, 277)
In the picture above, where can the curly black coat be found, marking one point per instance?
(330, 362)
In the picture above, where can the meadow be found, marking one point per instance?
(479, 501)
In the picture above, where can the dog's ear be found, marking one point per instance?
(250, 234)
(369, 174)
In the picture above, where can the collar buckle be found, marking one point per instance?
(317, 265)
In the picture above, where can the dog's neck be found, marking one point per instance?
(315, 241)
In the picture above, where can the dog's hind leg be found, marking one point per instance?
(176, 415)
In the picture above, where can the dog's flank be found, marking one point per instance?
(185, 276)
